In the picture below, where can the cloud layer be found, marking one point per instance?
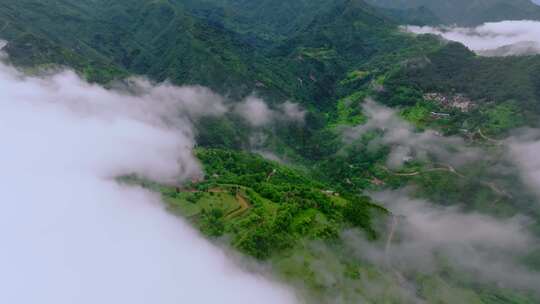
(69, 232)
(426, 235)
(258, 114)
(405, 142)
(491, 39)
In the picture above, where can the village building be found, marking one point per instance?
(457, 101)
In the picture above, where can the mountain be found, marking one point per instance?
(156, 38)
(468, 13)
(332, 50)
(229, 46)
(414, 16)
(268, 20)
(485, 79)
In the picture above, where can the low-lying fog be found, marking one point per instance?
(70, 233)
(503, 38)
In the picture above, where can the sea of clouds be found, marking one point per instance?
(70, 233)
(505, 38)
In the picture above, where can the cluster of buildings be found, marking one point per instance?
(458, 101)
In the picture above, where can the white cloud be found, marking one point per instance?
(255, 111)
(70, 233)
(487, 248)
(493, 39)
(406, 142)
(293, 111)
(258, 114)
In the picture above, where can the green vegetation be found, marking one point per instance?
(504, 90)
(503, 117)
(419, 114)
(294, 220)
(349, 111)
(280, 206)
(267, 207)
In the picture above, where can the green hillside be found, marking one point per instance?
(293, 221)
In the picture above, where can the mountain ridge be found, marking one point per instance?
(468, 13)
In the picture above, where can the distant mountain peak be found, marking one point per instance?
(469, 12)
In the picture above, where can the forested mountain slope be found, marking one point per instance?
(186, 42)
(267, 20)
(467, 13)
(155, 38)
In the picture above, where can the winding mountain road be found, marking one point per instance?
(244, 205)
(449, 168)
(389, 239)
(497, 142)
